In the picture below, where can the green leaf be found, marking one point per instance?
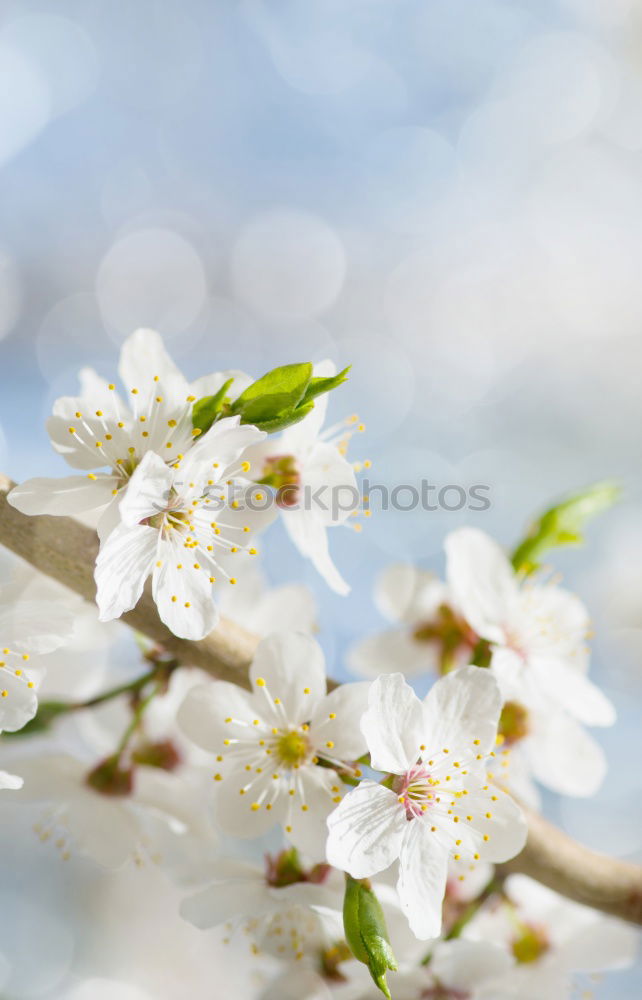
(284, 420)
(206, 410)
(317, 386)
(563, 524)
(366, 931)
(276, 393)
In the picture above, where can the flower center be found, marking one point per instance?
(513, 723)
(292, 748)
(415, 789)
(449, 633)
(531, 944)
(282, 474)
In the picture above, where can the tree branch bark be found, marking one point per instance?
(65, 550)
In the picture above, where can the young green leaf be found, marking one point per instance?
(283, 420)
(278, 392)
(317, 386)
(366, 931)
(206, 410)
(563, 524)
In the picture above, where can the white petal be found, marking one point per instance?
(423, 871)
(148, 490)
(202, 714)
(84, 442)
(405, 593)
(601, 943)
(10, 781)
(366, 830)
(282, 608)
(142, 358)
(95, 391)
(68, 496)
(325, 469)
(461, 707)
(573, 691)
(209, 385)
(183, 595)
(467, 965)
(309, 534)
(18, 701)
(564, 757)
(110, 517)
(34, 626)
(393, 725)
(124, 562)
(234, 811)
(481, 581)
(501, 821)
(337, 718)
(102, 828)
(393, 651)
(293, 668)
(223, 901)
(225, 442)
(309, 832)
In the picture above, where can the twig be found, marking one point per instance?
(62, 548)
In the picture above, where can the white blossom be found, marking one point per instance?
(175, 521)
(278, 749)
(438, 803)
(108, 827)
(99, 430)
(548, 939)
(428, 635)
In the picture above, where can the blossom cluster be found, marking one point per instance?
(382, 816)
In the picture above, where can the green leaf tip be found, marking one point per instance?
(563, 524)
(207, 409)
(366, 932)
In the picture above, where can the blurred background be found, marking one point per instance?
(446, 194)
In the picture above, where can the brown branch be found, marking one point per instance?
(66, 550)
(556, 860)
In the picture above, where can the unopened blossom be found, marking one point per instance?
(437, 802)
(108, 826)
(289, 918)
(428, 634)
(316, 487)
(175, 522)
(549, 940)
(27, 628)
(99, 430)
(279, 749)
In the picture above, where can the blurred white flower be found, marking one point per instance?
(439, 802)
(102, 813)
(279, 748)
(98, 429)
(549, 938)
(174, 522)
(537, 635)
(285, 918)
(429, 635)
